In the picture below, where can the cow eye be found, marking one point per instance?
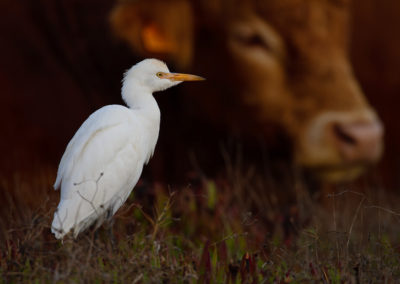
(257, 35)
(255, 40)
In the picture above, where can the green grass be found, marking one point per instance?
(214, 231)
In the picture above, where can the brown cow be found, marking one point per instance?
(280, 62)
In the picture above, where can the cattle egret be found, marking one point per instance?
(104, 160)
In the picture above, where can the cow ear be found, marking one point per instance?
(162, 29)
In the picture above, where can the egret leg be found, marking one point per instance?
(96, 235)
(110, 226)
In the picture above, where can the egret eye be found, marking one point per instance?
(159, 74)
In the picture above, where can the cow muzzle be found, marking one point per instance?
(339, 146)
(360, 141)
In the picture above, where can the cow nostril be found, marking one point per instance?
(343, 135)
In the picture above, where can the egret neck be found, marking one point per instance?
(139, 98)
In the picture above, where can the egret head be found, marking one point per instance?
(155, 75)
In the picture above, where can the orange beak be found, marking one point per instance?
(182, 77)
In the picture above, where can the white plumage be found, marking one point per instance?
(105, 158)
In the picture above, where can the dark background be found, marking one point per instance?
(59, 62)
(375, 55)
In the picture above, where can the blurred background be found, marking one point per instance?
(61, 60)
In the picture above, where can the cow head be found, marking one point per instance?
(283, 61)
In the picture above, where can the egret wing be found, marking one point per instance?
(99, 168)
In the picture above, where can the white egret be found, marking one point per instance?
(104, 160)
